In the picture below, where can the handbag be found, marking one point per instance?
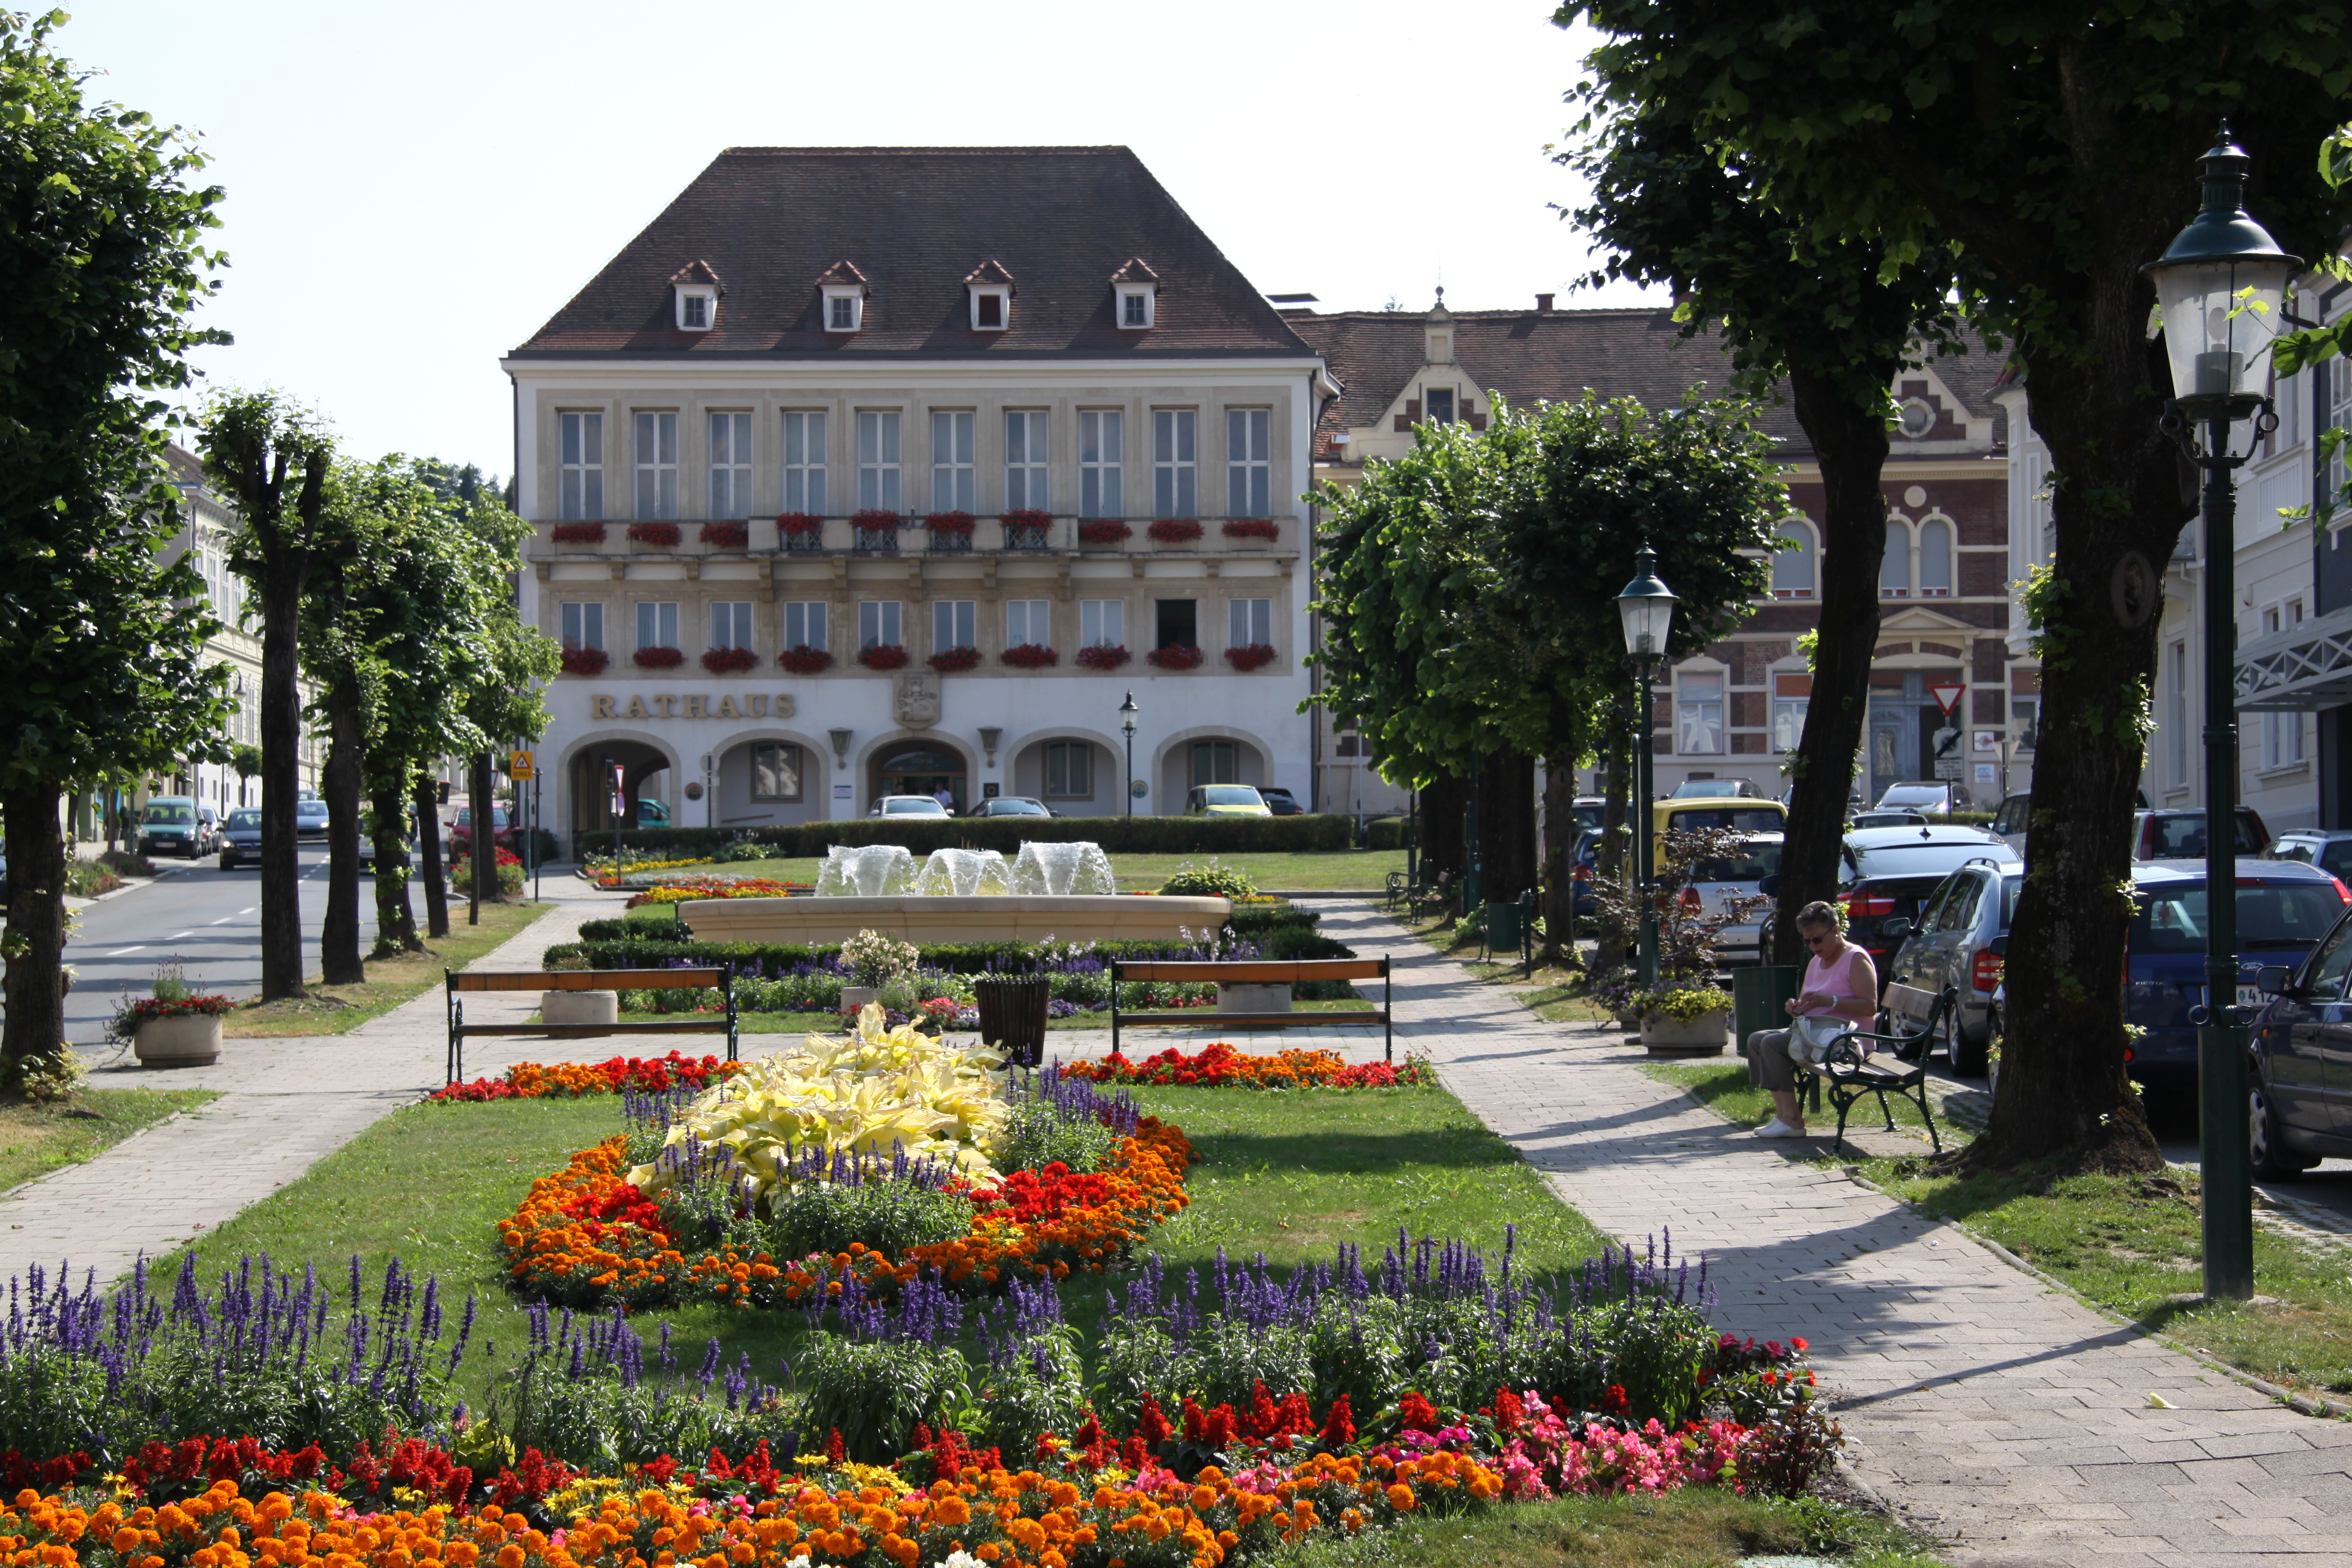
(1811, 1038)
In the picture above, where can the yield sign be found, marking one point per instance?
(1947, 697)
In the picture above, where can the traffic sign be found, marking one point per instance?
(1947, 697)
(519, 766)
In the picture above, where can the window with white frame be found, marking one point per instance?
(1792, 696)
(1248, 622)
(1027, 622)
(657, 624)
(1102, 438)
(844, 307)
(656, 466)
(775, 770)
(877, 460)
(954, 624)
(1027, 449)
(697, 308)
(1895, 567)
(583, 626)
(952, 462)
(1069, 770)
(1102, 622)
(580, 466)
(1437, 405)
(1175, 466)
(805, 462)
(1249, 473)
(877, 624)
(2176, 666)
(1935, 559)
(1792, 564)
(2339, 416)
(805, 623)
(1136, 306)
(2281, 739)
(991, 308)
(731, 625)
(1215, 763)
(2026, 712)
(1698, 716)
(730, 465)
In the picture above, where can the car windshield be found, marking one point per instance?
(1927, 797)
(1708, 789)
(466, 817)
(1738, 818)
(1922, 859)
(2172, 918)
(1015, 808)
(169, 813)
(1751, 863)
(1230, 795)
(915, 807)
(1588, 816)
(245, 819)
(2182, 837)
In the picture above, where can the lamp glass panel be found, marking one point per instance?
(1646, 618)
(2220, 318)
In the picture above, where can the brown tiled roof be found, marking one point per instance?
(695, 272)
(1135, 271)
(988, 272)
(841, 273)
(911, 221)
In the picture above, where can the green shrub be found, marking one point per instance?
(1036, 1134)
(1384, 833)
(1039, 1387)
(886, 1215)
(875, 1394)
(1117, 835)
(1209, 881)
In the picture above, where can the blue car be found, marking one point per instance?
(2300, 1107)
(2285, 908)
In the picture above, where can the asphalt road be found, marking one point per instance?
(207, 918)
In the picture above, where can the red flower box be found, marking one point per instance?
(1251, 656)
(1025, 517)
(1104, 531)
(949, 522)
(872, 517)
(803, 660)
(578, 534)
(1253, 528)
(883, 655)
(1175, 530)
(658, 659)
(664, 535)
(730, 660)
(799, 522)
(947, 660)
(585, 660)
(1030, 656)
(1103, 655)
(1175, 657)
(727, 535)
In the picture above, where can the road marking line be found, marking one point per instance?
(121, 952)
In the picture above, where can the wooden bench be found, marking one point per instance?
(584, 980)
(1852, 1076)
(1279, 972)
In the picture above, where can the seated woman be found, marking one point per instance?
(1840, 982)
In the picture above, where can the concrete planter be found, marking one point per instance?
(587, 1009)
(853, 998)
(1253, 998)
(192, 1040)
(1704, 1035)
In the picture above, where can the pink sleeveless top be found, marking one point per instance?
(1843, 977)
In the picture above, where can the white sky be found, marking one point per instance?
(408, 198)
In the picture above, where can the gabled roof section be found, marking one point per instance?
(1135, 271)
(989, 271)
(697, 272)
(775, 220)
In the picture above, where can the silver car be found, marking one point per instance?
(1954, 944)
(1716, 882)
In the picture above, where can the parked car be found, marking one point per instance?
(1583, 862)
(2284, 911)
(209, 820)
(1716, 789)
(1887, 819)
(2297, 1098)
(1010, 806)
(1589, 809)
(2011, 820)
(309, 817)
(241, 839)
(1697, 816)
(1717, 882)
(1951, 943)
(1281, 802)
(2330, 849)
(2178, 834)
(1224, 800)
(653, 813)
(461, 834)
(907, 806)
(169, 824)
(1939, 799)
(1891, 872)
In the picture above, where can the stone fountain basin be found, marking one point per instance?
(1074, 917)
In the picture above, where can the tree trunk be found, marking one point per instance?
(429, 843)
(282, 776)
(339, 934)
(1559, 838)
(36, 935)
(1851, 443)
(485, 845)
(395, 922)
(1507, 825)
(1441, 801)
(1616, 747)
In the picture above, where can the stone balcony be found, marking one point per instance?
(840, 538)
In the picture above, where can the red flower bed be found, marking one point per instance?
(1028, 1196)
(662, 535)
(1030, 656)
(658, 659)
(1104, 531)
(1250, 656)
(803, 660)
(949, 522)
(949, 659)
(727, 535)
(1103, 655)
(883, 655)
(799, 522)
(1175, 530)
(569, 1081)
(578, 534)
(874, 518)
(1025, 517)
(1253, 528)
(1222, 1067)
(1176, 656)
(730, 660)
(585, 660)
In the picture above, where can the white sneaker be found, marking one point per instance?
(1776, 1128)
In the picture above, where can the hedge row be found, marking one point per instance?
(1117, 835)
(1254, 922)
(1384, 833)
(957, 957)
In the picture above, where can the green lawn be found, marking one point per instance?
(37, 1138)
(1721, 1085)
(1322, 869)
(335, 1009)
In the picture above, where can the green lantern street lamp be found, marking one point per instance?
(1647, 609)
(1126, 711)
(2221, 287)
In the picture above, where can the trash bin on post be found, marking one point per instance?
(1505, 927)
(1012, 1016)
(1755, 997)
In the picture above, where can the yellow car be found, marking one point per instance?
(1225, 800)
(1740, 814)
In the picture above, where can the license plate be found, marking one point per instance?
(2250, 995)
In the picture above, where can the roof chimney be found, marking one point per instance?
(1543, 304)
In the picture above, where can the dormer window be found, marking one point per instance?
(843, 289)
(1135, 307)
(694, 311)
(991, 290)
(988, 309)
(1136, 291)
(695, 291)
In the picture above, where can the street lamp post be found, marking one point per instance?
(2221, 287)
(1647, 608)
(1127, 723)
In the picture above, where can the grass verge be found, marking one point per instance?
(1723, 1088)
(37, 1138)
(335, 1009)
(1319, 869)
(1558, 994)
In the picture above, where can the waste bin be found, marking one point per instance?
(1012, 1016)
(1505, 928)
(1755, 997)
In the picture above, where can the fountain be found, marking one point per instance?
(866, 871)
(965, 874)
(1061, 870)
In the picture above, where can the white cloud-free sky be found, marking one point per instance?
(412, 189)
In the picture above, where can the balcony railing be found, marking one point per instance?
(1063, 535)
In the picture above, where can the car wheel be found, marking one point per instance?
(1967, 1059)
(2269, 1158)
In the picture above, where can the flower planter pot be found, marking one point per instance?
(190, 1041)
(1253, 998)
(588, 1009)
(857, 996)
(1629, 1023)
(1704, 1035)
